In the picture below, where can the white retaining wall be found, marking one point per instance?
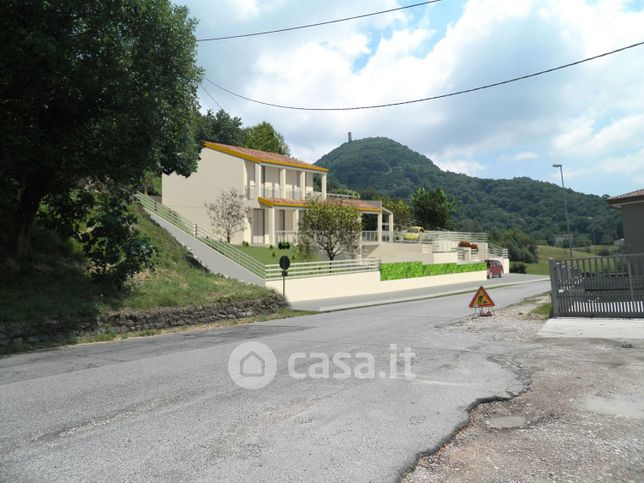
(365, 283)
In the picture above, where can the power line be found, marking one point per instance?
(318, 24)
(210, 95)
(432, 98)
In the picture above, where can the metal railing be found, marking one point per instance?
(286, 236)
(226, 249)
(610, 286)
(319, 269)
(369, 236)
(267, 272)
(272, 191)
(497, 251)
(448, 236)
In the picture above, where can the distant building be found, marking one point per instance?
(632, 207)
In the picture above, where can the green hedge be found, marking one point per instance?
(396, 271)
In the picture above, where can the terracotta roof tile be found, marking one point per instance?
(262, 156)
(361, 205)
(637, 195)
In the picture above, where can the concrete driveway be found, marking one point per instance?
(166, 408)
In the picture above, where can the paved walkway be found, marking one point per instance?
(340, 303)
(591, 328)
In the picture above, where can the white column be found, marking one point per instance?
(324, 186)
(391, 227)
(296, 223)
(258, 180)
(302, 185)
(282, 182)
(271, 225)
(379, 225)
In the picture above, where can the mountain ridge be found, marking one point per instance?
(385, 166)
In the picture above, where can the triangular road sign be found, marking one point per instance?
(481, 299)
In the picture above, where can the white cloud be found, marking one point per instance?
(471, 168)
(521, 156)
(630, 163)
(583, 116)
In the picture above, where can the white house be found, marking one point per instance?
(276, 188)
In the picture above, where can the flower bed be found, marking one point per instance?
(396, 271)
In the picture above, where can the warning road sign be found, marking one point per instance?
(481, 299)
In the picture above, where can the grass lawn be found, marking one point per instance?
(545, 252)
(54, 284)
(269, 256)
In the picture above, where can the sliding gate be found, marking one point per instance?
(598, 286)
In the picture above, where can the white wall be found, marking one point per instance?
(215, 173)
(408, 252)
(347, 285)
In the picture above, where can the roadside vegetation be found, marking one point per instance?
(54, 284)
(545, 252)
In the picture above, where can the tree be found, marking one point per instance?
(94, 95)
(521, 247)
(432, 208)
(227, 213)
(264, 137)
(333, 225)
(402, 212)
(220, 128)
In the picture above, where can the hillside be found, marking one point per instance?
(536, 207)
(53, 293)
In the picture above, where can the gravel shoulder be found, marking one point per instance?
(582, 418)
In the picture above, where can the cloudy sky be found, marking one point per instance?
(590, 117)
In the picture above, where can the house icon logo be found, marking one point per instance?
(252, 365)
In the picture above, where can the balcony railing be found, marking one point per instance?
(273, 191)
(369, 236)
(286, 236)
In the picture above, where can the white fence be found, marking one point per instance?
(266, 272)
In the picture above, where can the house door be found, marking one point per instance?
(258, 227)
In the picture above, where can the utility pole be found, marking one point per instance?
(565, 208)
(592, 229)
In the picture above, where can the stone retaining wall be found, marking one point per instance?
(126, 321)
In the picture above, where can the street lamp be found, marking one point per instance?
(565, 207)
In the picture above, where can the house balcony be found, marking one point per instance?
(286, 236)
(369, 236)
(273, 191)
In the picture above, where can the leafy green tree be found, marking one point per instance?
(112, 241)
(432, 208)
(403, 215)
(332, 225)
(264, 137)
(220, 128)
(94, 94)
(521, 247)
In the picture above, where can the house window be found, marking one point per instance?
(282, 220)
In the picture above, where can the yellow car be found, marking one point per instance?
(413, 233)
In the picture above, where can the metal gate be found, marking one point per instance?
(598, 286)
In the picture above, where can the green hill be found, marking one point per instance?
(52, 292)
(536, 207)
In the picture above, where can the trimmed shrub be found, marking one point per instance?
(397, 271)
(518, 267)
(283, 245)
(466, 244)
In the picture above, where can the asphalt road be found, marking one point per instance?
(165, 407)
